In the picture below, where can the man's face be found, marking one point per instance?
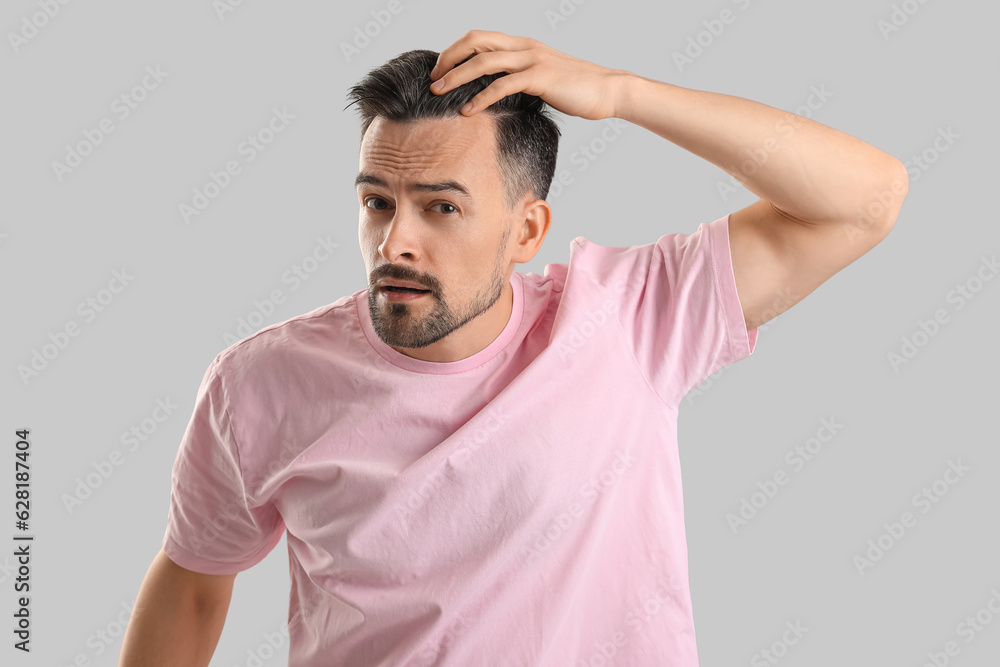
(412, 227)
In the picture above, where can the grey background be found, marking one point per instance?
(826, 357)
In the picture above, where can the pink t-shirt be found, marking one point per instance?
(522, 506)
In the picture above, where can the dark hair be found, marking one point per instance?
(527, 138)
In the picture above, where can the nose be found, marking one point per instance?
(401, 237)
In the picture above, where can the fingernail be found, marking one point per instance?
(438, 85)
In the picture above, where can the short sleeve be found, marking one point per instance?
(211, 525)
(677, 305)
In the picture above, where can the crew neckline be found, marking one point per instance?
(405, 362)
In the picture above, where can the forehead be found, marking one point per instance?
(460, 148)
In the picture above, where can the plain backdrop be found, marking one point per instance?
(916, 80)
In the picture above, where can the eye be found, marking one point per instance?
(455, 210)
(451, 210)
(374, 199)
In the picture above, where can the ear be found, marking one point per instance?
(530, 231)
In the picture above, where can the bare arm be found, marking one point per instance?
(826, 198)
(178, 617)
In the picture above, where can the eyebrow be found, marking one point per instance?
(364, 178)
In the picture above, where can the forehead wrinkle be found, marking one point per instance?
(367, 178)
(422, 156)
(419, 142)
(422, 160)
(427, 176)
(395, 162)
(435, 152)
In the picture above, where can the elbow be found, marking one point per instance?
(876, 215)
(880, 209)
(895, 186)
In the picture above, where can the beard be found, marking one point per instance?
(398, 324)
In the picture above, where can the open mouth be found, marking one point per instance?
(404, 289)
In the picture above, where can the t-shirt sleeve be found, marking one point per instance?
(677, 306)
(212, 527)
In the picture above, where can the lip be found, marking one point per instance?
(402, 296)
(392, 282)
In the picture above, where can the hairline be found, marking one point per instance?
(498, 158)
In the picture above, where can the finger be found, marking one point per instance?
(473, 42)
(499, 89)
(484, 63)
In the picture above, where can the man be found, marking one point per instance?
(476, 466)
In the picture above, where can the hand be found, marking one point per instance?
(573, 86)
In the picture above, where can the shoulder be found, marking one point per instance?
(282, 342)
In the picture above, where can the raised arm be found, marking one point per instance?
(826, 198)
